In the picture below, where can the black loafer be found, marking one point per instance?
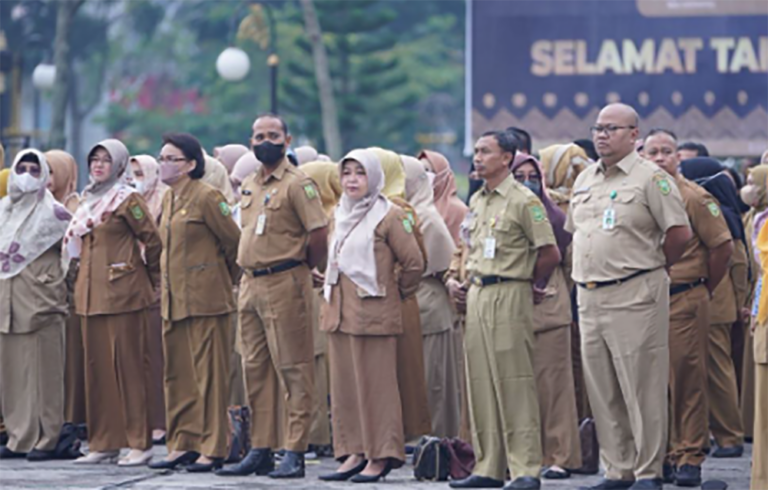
(344, 475)
(6, 453)
(728, 452)
(185, 459)
(648, 484)
(475, 481)
(38, 455)
(611, 485)
(524, 483)
(291, 466)
(215, 464)
(688, 475)
(257, 461)
(551, 474)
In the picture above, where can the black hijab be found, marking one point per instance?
(703, 167)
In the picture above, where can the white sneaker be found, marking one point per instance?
(97, 457)
(136, 457)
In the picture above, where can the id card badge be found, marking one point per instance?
(609, 219)
(333, 274)
(489, 250)
(261, 223)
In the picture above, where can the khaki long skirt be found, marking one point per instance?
(410, 374)
(74, 371)
(116, 390)
(155, 364)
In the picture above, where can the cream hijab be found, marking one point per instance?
(306, 154)
(394, 175)
(326, 177)
(229, 154)
(352, 245)
(438, 241)
(33, 221)
(216, 176)
(154, 189)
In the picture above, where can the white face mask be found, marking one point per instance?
(140, 187)
(26, 183)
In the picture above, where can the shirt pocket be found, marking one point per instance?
(580, 204)
(115, 272)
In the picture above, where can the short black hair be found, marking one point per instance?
(192, 150)
(506, 141)
(589, 148)
(656, 131)
(700, 149)
(274, 116)
(525, 143)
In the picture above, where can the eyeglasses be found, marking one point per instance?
(531, 178)
(170, 159)
(608, 130)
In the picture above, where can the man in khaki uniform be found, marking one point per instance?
(512, 245)
(628, 223)
(694, 278)
(284, 237)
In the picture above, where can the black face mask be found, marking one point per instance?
(269, 153)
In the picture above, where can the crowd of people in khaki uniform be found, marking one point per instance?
(360, 305)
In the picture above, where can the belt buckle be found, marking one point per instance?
(591, 285)
(477, 281)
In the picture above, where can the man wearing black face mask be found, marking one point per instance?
(284, 237)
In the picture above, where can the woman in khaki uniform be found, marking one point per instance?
(199, 268)
(552, 349)
(33, 306)
(114, 288)
(371, 238)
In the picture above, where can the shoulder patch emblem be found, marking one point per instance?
(663, 184)
(537, 213)
(224, 208)
(310, 191)
(713, 209)
(137, 212)
(407, 225)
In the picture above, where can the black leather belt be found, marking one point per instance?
(602, 284)
(681, 288)
(285, 266)
(482, 281)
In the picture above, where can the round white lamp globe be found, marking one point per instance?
(44, 76)
(233, 64)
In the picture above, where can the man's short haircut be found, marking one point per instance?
(274, 116)
(656, 131)
(700, 149)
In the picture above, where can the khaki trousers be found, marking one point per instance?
(197, 384)
(155, 367)
(760, 446)
(625, 354)
(320, 430)
(32, 386)
(276, 332)
(411, 381)
(557, 398)
(724, 414)
(236, 383)
(116, 390)
(503, 403)
(688, 339)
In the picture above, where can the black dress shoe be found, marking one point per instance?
(361, 478)
(611, 485)
(258, 461)
(714, 485)
(668, 473)
(648, 484)
(3, 438)
(475, 481)
(344, 475)
(6, 453)
(688, 475)
(552, 474)
(38, 455)
(524, 483)
(185, 459)
(728, 452)
(291, 466)
(215, 464)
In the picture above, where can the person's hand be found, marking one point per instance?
(538, 295)
(318, 279)
(458, 293)
(746, 315)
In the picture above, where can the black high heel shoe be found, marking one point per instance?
(344, 475)
(360, 478)
(215, 464)
(187, 458)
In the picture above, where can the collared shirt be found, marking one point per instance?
(709, 231)
(278, 211)
(512, 221)
(645, 203)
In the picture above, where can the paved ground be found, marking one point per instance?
(63, 474)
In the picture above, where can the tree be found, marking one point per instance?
(65, 14)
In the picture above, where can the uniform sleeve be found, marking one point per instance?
(402, 242)
(535, 223)
(306, 202)
(665, 202)
(139, 219)
(740, 273)
(218, 218)
(708, 222)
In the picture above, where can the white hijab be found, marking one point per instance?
(352, 245)
(32, 220)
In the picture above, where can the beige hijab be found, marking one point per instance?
(64, 177)
(561, 165)
(306, 154)
(217, 177)
(154, 189)
(438, 241)
(229, 154)
(326, 177)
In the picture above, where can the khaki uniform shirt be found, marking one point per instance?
(646, 204)
(199, 261)
(709, 231)
(351, 310)
(512, 222)
(29, 300)
(290, 205)
(113, 277)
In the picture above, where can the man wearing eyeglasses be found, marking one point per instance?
(629, 226)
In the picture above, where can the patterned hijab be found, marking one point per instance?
(561, 164)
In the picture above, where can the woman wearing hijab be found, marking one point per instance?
(417, 420)
(437, 316)
(199, 269)
(245, 166)
(306, 154)
(561, 164)
(228, 155)
(63, 182)
(33, 299)
(447, 202)
(552, 349)
(4, 174)
(326, 178)
(216, 176)
(374, 260)
(725, 419)
(146, 179)
(113, 291)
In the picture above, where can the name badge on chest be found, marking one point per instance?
(609, 219)
(261, 223)
(489, 248)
